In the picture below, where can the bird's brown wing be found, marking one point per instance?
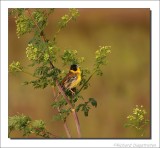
(68, 79)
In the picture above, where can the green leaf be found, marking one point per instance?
(86, 109)
(79, 107)
(59, 103)
(38, 124)
(93, 102)
(42, 71)
(83, 107)
(40, 16)
(62, 115)
(57, 117)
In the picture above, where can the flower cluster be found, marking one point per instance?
(15, 67)
(31, 52)
(137, 119)
(101, 58)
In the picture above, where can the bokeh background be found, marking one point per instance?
(126, 79)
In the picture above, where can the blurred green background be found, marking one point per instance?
(124, 84)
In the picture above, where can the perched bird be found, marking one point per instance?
(72, 79)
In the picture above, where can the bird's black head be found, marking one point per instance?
(73, 67)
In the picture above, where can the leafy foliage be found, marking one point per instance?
(101, 58)
(24, 25)
(85, 107)
(70, 57)
(72, 15)
(137, 119)
(42, 54)
(59, 103)
(62, 115)
(24, 124)
(27, 21)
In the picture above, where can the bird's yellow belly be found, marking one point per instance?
(75, 83)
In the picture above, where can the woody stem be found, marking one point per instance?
(64, 121)
(72, 108)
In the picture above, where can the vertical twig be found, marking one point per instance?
(64, 122)
(72, 109)
(77, 122)
(67, 129)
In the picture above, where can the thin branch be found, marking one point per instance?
(77, 122)
(86, 82)
(63, 94)
(67, 129)
(26, 72)
(72, 109)
(64, 122)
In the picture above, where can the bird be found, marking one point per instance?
(72, 79)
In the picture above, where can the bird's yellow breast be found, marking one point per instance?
(77, 81)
